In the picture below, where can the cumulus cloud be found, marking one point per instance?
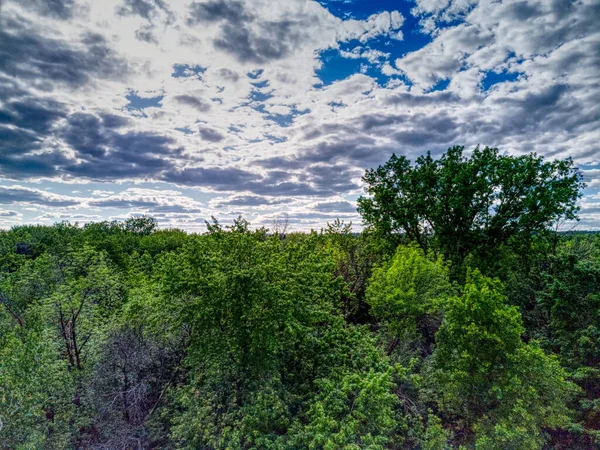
(8, 213)
(148, 200)
(61, 9)
(45, 60)
(234, 102)
(18, 195)
(248, 200)
(336, 207)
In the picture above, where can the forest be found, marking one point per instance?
(464, 315)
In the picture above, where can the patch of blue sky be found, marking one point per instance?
(185, 70)
(276, 139)
(492, 78)
(595, 165)
(260, 84)
(139, 103)
(185, 130)
(285, 120)
(259, 96)
(414, 37)
(375, 72)
(361, 9)
(335, 67)
(440, 85)
(255, 74)
(413, 41)
(257, 102)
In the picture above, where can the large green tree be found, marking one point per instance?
(498, 391)
(271, 363)
(408, 294)
(465, 204)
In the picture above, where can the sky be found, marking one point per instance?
(273, 109)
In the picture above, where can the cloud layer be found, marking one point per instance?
(196, 108)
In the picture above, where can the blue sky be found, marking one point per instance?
(190, 109)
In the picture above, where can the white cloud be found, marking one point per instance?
(249, 123)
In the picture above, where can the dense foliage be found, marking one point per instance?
(469, 205)
(470, 327)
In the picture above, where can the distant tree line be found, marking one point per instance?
(459, 318)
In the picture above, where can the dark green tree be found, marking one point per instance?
(469, 204)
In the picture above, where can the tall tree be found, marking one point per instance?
(466, 203)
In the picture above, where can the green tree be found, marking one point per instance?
(268, 346)
(464, 204)
(249, 303)
(354, 257)
(36, 388)
(351, 411)
(87, 293)
(501, 392)
(570, 300)
(556, 287)
(408, 294)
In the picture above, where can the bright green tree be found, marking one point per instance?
(36, 388)
(408, 294)
(268, 347)
(501, 392)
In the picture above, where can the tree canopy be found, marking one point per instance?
(463, 204)
(432, 329)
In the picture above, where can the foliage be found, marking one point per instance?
(354, 259)
(501, 390)
(408, 295)
(35, 390)
(460, 204)
(123, 335)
